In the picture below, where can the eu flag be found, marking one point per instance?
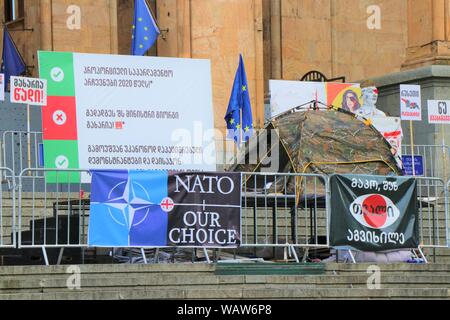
(12, 62)
(239, 102)
(145, 30)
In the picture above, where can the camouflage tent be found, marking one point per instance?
(320, 141)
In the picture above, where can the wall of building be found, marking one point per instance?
(332, 36)
(98, 32)
(219, 31)
(278, 38)
(49, 20)
(435, 85)
(28, 41)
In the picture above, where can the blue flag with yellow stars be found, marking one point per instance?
(12, 61)
(145, 29)
(239, 102)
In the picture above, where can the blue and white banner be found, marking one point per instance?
(159, 209)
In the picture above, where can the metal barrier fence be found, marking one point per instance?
(447, 213)
(285, 210)
(20, 150)
(7, 212)
(52, 219)
(436, 159)
(432, 196)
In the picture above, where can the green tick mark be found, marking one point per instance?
(57, 74)
(62, 162)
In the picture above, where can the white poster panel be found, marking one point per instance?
(2, 87)
(439, 111)
(144, 113)
(391, 129)
(285, 95)
(410, 102)
(30, 91)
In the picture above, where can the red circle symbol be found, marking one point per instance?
(167, 204)
(375, 211)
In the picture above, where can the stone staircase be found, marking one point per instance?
(201, 281)
(207, 281)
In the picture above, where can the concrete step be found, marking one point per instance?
(121, 269)
(221, 287)
(397, 268)
(265, 293)
(135, 270)
(110, 269)
(167, 280)
(330, 277)
(198, 281)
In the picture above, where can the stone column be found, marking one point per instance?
(184, 28)
(114, 41)
(275, 33)
(428, 33)
(46, 36)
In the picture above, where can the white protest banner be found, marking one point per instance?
(127, 112)
(439, 111)
(29, 91)
(391, 129)
(285, 95)
(410, 102)
(2, 87)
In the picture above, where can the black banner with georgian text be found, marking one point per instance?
(373, 213)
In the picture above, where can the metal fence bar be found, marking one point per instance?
(61, 224)
(8, 237)
(436, 159)
(287, 196)
(433, 212)
(15, 148)
(447, 213)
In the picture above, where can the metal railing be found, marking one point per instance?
(436, 159)
(58, 216)
(285, 210)
(20, 150)
(7, 212)
(432, 198)
(447, 213)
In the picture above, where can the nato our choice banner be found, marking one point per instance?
(160, 209)
(373, 213)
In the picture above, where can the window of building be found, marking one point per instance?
(14, 10)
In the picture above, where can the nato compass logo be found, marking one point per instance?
(129, 209)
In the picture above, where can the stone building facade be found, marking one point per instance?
(279, 39)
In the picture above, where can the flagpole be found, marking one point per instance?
(241, 136)
(444, 151)
(412, 147)
(29, 137)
